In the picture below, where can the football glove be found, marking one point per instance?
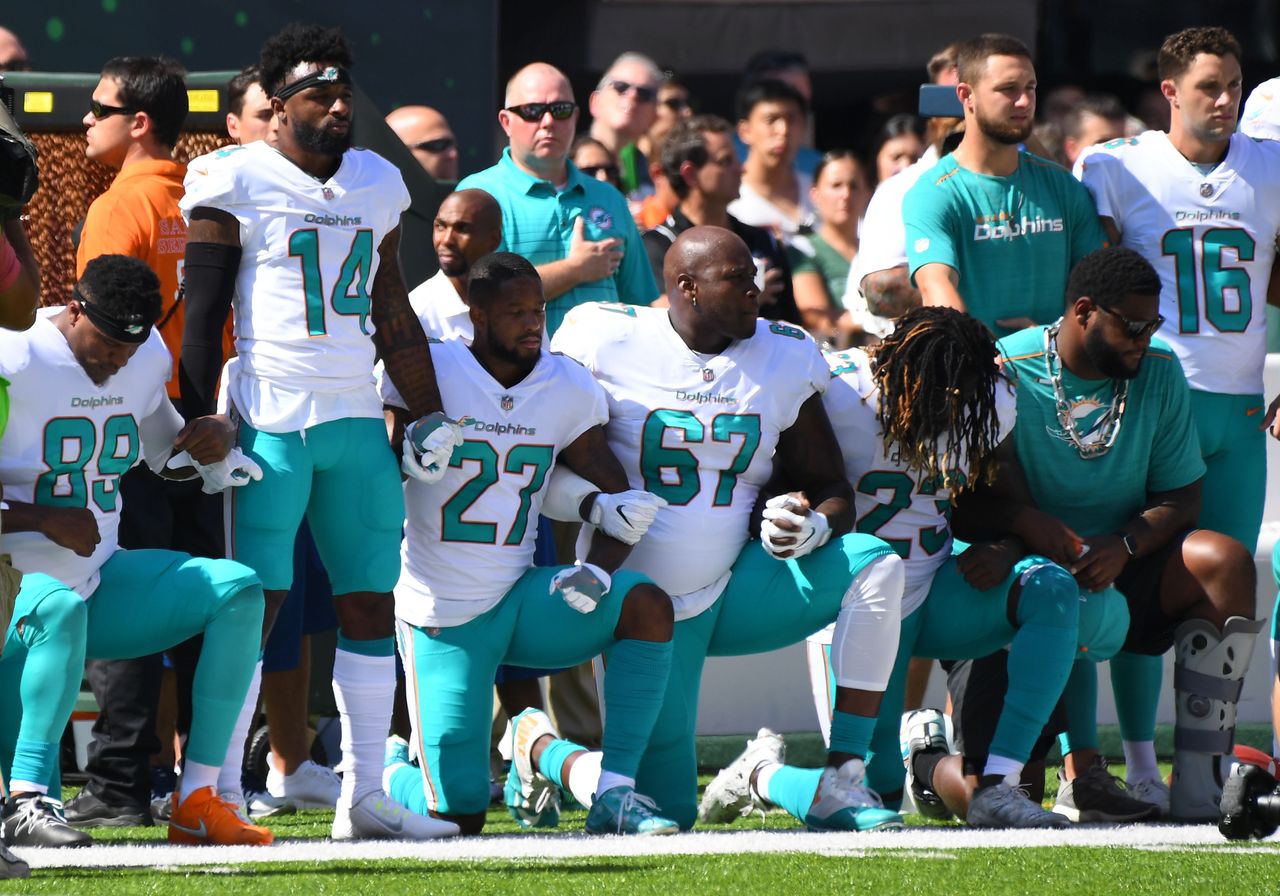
(813, 529)
(428, 445)
(581, 586)
(237, 468)
(627, 515)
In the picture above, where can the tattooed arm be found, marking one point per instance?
(889, 293)
(401, 342)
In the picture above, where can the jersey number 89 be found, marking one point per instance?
(69, 444)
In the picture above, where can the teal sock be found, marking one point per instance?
(793, 789)
(223, 674)
(851, 733)
(376, 647)
(1081, 701)
(1135, 682)
(1040, 659)
(635, 681)
(551, 762)
(53, 633)
(404, 785)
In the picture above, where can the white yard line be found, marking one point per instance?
(934, 842)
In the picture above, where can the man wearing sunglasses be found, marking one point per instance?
(1107, 438)
(1202, 205)
(577, 231)
(427, 134)
(623, 108)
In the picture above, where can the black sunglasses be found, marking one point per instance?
(643, 94)
(100, 110)
(532, 112)
(610, 171)
(1136, 329)
(436, 146)
(676, 103)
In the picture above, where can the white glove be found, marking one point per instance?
(814, 530)
(581, 586)
(237, 468)
(627, 515)
(428, 445)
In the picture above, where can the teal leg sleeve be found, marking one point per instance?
(884, 765)
(793, 789)
(1081, 701)
(223, 673)
(43, 668)
(1135, 682)
(851, 733)
(405, 787)
(551, 762)
(1040, 658)
(635, 680)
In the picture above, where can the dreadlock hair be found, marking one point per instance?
(938, 376)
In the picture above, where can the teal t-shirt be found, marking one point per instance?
(1156, 450)
(537, 222)
(1012, 240)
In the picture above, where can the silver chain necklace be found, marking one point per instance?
(1114, 415)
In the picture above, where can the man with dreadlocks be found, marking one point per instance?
(692, 422)
(918, 421)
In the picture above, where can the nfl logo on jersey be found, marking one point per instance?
(508, 402)
(708, 374)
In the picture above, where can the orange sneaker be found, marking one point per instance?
(205, 819)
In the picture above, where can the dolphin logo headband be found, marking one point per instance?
(330, 74)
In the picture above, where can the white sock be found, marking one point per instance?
(586, 778)
(1140, 761)
(16, 786)
(764, 774)
(195, 776)
(608, 781)
(1009, 769)
(364, 687)
(228, 778)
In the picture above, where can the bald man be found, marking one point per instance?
(467, 227)
(13, 55)
(427, 134)
(707, 403)
(576, 230)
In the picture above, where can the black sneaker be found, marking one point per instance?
(37, 821)
(1098, 795)
(12, 867)
(85, 810)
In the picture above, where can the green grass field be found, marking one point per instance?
(1215, 867)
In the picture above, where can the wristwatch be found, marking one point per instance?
(1130, 543)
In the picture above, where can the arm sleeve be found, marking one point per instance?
(209, 280)
(566, 491)
(157, 431)
(930, 237)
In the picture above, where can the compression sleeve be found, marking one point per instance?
(209, 280)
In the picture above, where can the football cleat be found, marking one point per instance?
(312, 786)
(1005, 806)
(921, 730)
(1097, 795)
(620, 810)
(844, 803)
(37, 820)
(532, 798)
(203, 818)
(729, 795)
(377, 816)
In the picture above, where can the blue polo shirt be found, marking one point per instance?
(537, 222)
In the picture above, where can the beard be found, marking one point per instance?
(1006, 132)
(318, 140)
(1108, 361)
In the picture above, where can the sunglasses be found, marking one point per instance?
(101, 111)
(436, 146)
(609, 171)
(1136, 329)
(643, 94)
(532, 112)
(676, 103)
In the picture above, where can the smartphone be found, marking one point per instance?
(940, 101)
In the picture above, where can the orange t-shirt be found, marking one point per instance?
(138, 216)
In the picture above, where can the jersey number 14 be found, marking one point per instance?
(350, 294)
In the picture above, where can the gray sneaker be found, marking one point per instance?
(1005, 806)
(1098, 795)
(1151, 790)
(12, 867)
(729, 795)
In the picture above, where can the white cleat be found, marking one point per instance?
(531, 797)
(312, 786)
(729, 794)
(377, 816)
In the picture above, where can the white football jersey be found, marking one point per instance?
(894, 502)
(698, 430)
(310, 253)
(70, 440)
(469, 537)
(1212, 238)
